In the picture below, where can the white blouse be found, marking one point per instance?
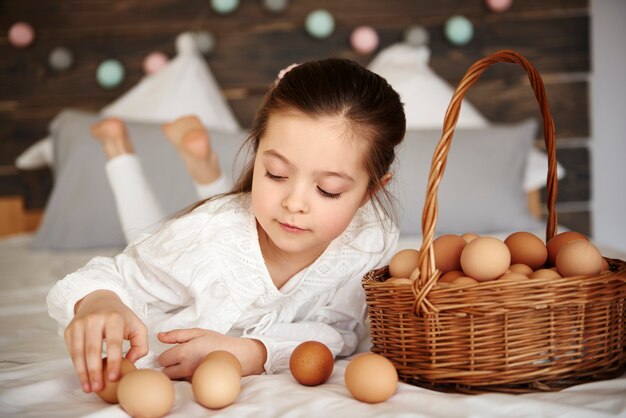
(205, 269)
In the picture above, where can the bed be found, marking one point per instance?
(37, 378)
(36, 375)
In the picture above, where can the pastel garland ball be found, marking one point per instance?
(499, 6)
(154, 61)
(205, 41)
(459, 30)
(21, 34)
(224, 7)
(416, 36)
(60, 59)
(364, 40)
(110, 74)
(320, 24)
(275, 6)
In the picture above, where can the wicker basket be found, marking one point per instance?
(515, 336)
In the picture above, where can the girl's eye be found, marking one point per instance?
(329, 195)
(273, 177)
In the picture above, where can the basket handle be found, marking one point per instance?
(428, 273)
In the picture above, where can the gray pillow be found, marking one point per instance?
(80, 212)
(481, 189)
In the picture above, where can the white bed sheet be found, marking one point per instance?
(37, 378)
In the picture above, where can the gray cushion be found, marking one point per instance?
(81, 212)
(481, 190)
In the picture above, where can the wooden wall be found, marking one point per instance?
(253, 44)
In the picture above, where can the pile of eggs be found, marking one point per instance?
(470, 258)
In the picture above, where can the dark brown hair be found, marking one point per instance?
(337, 87)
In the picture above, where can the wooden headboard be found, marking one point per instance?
(253, 44)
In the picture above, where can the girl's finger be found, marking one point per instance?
(170, 357)
(177, 371)
(75, 342)
(138, 339)
(178, 336)
(114, 331)
(93, 356)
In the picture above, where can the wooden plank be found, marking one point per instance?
(576, 185)
(14, 219)
(579, 221)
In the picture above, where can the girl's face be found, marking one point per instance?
(308, 183)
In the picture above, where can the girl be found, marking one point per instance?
(137, 206)
(274, 263)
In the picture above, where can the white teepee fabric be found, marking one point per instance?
(425, 95)
(184, 86)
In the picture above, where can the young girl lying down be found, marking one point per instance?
(276, 262)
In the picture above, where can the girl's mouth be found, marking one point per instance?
(290, 228)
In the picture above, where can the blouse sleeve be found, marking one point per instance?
(149, 272)
(338, 325)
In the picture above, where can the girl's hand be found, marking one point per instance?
(101, 316)
(194, 344)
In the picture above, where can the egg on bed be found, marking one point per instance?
(146, 393)
(311, 363)
(216, 383)
(371, 378)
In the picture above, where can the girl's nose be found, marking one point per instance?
(296, 201)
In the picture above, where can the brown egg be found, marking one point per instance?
(109, 392)
(485, 258)
(416, 274)
(371, 378)
(216, 383)
(311, 363)
(578, 258)
(527, 248)
(513, 276)
(403, 263)
(559, 240)
(545, 274)
(447, 250)
(463, 280)
(468, 236)
(223, 355)
(605, 265)
(146, 393)
(522, 269)
(451, 275)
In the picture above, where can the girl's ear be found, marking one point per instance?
(384, 180)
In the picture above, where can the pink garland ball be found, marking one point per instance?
(499, 6)
(154, 62)
(364, 39)
(21, 35)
